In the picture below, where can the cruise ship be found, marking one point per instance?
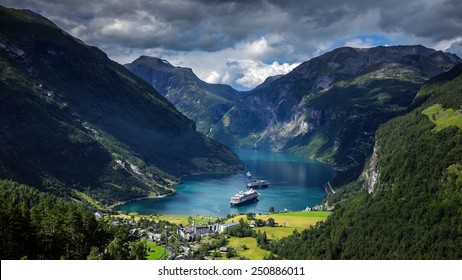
(243, 197)
(258, 184)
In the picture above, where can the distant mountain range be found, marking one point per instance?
(202, 102)
(327, 108)
(75, 123)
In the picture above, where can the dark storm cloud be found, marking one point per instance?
(436, 20)
(213, 25)
(237, 42)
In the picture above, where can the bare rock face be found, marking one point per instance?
(370, 175)
(330, 106)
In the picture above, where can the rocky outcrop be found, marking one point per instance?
(330, 106)
(370, 175)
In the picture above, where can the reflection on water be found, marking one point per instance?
(295, 183)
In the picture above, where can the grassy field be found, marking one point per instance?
(253, 252)
(291, 219)
(175, 219)
(159, 251)
(287, 222)
(277, 232)
(443, 117)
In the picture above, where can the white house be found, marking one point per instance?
(224, 227)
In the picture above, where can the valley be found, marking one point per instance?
(328, 108)
(100, 160)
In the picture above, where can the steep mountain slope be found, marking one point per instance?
(412, 206)
(75, 123)
(202, 102)
(330, 107)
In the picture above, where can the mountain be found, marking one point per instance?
(330, 106)
(409, 203)
(202, 102)
(75, 123)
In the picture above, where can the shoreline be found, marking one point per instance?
(171, 188)
(120, 203)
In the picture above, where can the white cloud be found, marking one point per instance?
(456, 48)
(241, 66)
(360, 43)
(213, 78)
(255, 72)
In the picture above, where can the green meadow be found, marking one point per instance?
(247, 247)
(443, 117)
(157, 252)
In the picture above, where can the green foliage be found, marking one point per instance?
(262, 240)
(230, 254)
(443, 118)
(241, 230)
(40, 226)
(94, 254)
(270, 222)
(37, 225)
(212, 244)
(155, 252)
(250, 216)
(414, 212)
(138, 250)
(116, 250)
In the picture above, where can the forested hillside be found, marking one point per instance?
(409, 206)
(77, 124)
(37, 225)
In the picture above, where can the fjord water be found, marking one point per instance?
(295, 183)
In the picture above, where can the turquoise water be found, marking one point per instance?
(295, 183)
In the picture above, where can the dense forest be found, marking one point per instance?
(415, 209)
(37, 225)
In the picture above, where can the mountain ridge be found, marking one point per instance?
(202, 102)
(313, 110)
(75, 122)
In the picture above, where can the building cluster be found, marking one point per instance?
(191, 232)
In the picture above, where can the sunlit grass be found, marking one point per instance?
(443, 118)
(291, 219)
(277, 232)
(253, 252)
(158, 251)
(286, 222)
(174, 219)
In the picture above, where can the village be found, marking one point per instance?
(206, 237)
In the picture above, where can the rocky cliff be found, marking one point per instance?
(330, 106)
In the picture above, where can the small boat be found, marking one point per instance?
(249, 175)
(258, 184)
